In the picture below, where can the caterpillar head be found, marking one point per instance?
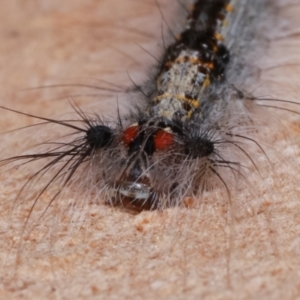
(150, 164)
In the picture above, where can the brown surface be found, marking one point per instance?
(110, 254)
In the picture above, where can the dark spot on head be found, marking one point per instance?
(99, 136)
(162, 125)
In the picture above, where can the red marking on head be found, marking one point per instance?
(163, 139)
(130, 134)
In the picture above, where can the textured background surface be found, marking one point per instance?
(154, 255)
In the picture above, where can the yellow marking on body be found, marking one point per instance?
(178, 37)
(192, 61)
(195, 103)
(225, 23)
(206, 83)
(191, 7)
(229, 8)
(218, 37)
(209, 65)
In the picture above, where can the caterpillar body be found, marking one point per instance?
(195, 134)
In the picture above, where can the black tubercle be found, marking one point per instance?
(197, 147)
(99, 136)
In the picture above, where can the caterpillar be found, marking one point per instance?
(202, 133)
(179, 127)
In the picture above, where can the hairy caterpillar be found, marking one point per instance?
(260, 167)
